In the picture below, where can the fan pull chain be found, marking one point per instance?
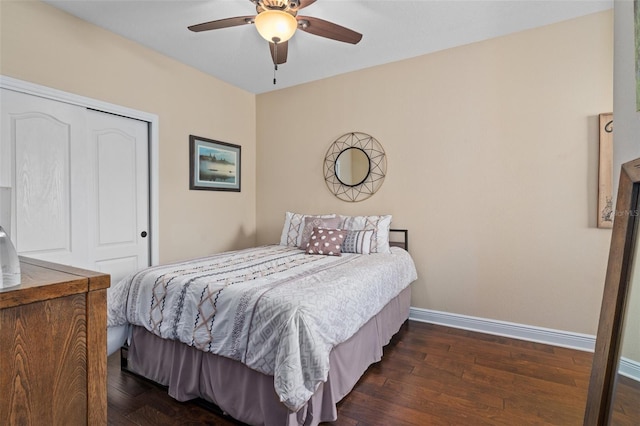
(275, 65)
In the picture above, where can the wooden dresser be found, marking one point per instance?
(53, 346)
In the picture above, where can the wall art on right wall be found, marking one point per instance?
(605, 172)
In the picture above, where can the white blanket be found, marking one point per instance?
(274, 308)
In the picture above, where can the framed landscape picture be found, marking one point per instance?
(213, 165)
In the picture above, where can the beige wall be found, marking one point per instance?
(492, 154)
(627, 148)
(43, 45)
(492, 166)
(627, 118)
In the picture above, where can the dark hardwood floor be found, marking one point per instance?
(626, 402)
(429, 375)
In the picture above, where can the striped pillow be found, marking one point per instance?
(358, 242)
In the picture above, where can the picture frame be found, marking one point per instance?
(213, 165)
(605, 172)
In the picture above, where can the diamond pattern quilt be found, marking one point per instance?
(273, 308)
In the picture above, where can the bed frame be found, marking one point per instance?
(401, 240)
(229, 388)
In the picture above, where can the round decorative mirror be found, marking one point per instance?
(355, 166)
(352, 166)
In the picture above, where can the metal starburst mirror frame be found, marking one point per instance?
(377, 166)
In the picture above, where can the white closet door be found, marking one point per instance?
(80, 184)
(119, 200)
(43, 163)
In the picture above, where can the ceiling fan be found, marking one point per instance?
(277, 21)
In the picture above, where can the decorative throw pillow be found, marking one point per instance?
(311, 222)
(293, 226)
(326, 241)
(357, 242)
(378, 224)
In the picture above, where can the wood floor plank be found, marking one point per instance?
(626, 402)
(364, 406)
(438, 403)
(452, 386)
(530, 369)
(429, 375)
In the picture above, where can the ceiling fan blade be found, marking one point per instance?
(222, 23)
(283, 49)
(305, 3)
(327, 29)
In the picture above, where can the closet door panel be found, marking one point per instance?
(42, 175)
(43, 161)
(79, 184)
(115, 194)
(120, 200)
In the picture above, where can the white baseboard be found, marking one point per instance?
(566, 339)
(630, 368)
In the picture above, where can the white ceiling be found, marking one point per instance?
(392, 30)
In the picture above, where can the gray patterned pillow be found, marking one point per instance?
(358, 242)
(325, 241)
(311, 222)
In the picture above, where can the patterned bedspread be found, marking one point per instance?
(274, 308)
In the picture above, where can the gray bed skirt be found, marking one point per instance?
(248, 395)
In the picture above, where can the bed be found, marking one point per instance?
(272, 335)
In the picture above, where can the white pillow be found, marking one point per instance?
(380, 226)
(293, 227)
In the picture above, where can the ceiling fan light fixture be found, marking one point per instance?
(276, 26)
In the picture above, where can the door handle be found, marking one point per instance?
(143, 234)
